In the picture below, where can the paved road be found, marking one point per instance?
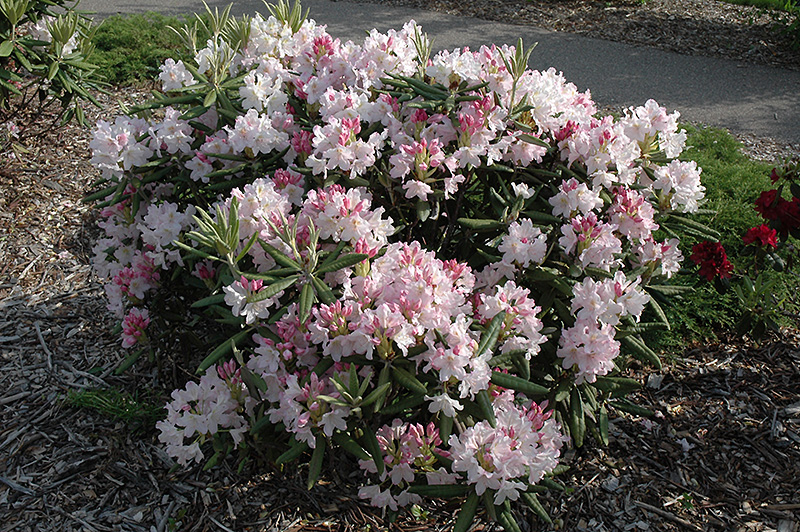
(743, 98)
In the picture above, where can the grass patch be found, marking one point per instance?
(130, 48)
(120, 405)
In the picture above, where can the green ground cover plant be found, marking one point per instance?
(130, 48)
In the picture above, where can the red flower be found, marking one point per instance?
(762, 235)
(774, 176)
(789, 214)
(712, 259)
(767, 205)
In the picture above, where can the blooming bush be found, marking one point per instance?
(769, 250)
(439, 264)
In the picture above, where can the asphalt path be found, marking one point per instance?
(743, 98)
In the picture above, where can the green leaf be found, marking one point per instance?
(373, 448)
(315, 465)
(616, 385)
(445, 427)
(307, 299)
(347, 443)
(6, 48)
(324, 293)
(293, 453)
(100, 194)
(627, 406)
(481, 225)
(659, 312)
(384, 377)
(532, 501)
(506, 519)
(641, 351)
(210, 98)
(274, 288)
(129, 361)
(518, 384)
(260, 425)
(543, 217)
(484, 402)
(490, 335)
(53, 70)
(466, 515)
(342, 262)
(423, 210)
(552, 484)
(577, 422)
(602, 425)
(353, 381)
(668, 290)
(212, 461)
(692, 226)
(407, 403)
(322, 366)
(409, 381)
(333, 255)
(530, 139)
(195, 251)
(253, 381)
(521, 364)
(210, 300)
(247, 246)
(638, 328)
(280, 257)
(223, 349)
(377, 393)
(488, 503)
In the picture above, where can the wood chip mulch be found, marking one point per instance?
(724, 455)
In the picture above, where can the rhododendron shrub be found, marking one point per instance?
(45, 53)
(439, 264)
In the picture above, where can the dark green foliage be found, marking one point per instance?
(130, 48)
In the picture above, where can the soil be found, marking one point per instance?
(722, 454)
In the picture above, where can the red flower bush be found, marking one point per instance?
(712, 259)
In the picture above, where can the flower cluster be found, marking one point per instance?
(408, 449)
(203, 409)
(523, 445)
(712, 259)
